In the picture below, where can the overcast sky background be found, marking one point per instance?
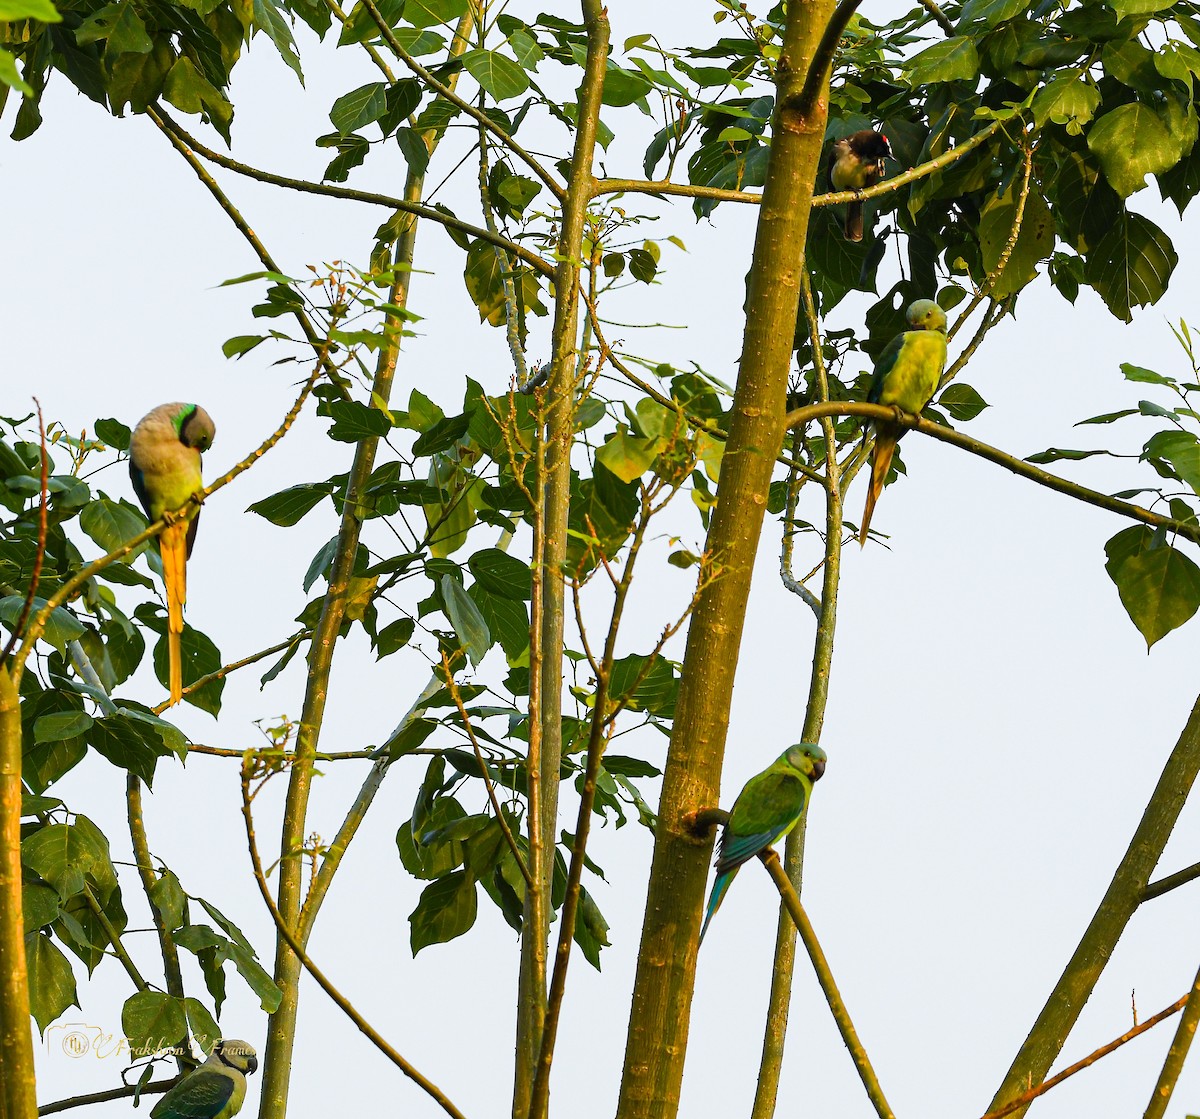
(994, 728)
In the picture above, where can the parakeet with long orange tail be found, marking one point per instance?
(906, 377)
(164, 463)
(767, 808)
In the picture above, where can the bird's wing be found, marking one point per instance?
(765, 809)
(883, 367)
(200, 1095)
(139, 486)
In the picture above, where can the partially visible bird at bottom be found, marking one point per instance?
(906, 377)
(858, 164)
(215, 1090)
(164, 464)
(767, 808)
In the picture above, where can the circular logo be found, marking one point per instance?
(76, 1044)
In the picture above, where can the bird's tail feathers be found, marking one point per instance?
(173, 547)
(881, 463)
(854, 221)
(720, 886)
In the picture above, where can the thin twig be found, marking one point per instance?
(1090, 1059)
(1171, 882)
(1017, 466)
(183, 141)
(343, 1003)
(825, 977)
(456, 695)
(154, 1088)
(225, 670)
(465, 106)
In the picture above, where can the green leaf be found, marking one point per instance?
(51, 980)
(110, 523)
(501, 574)
(591, 929)
(241, 345)
(1109, 417)
(962, 402)
(411, 735)
(66, 856)
(447, 909)
(484, 278)
(126, 746)
(1056, 454)
(627, 456)
(1146, 376)
(394, 636)
(11, 10)
(624, 87)
(507, 621)
(1131, 265)
(61, 726)
(1069, 100)
(952, 60)
(354, 421)
(10, 77)
(468, 622)
(1181, 449)
(1132, 142)
(270, 19)
(152, 1021)
(170, 900)
(204, 1029)
(359, 108)
(61, 626)
(1035, 239)
(442, 435)
(498, 74)
(289, 506)
(39, 906)
(200, 658)
(114, 433)
(1159, 586)
(429, 13)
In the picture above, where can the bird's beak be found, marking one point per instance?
(818, 769)
(252, 1064)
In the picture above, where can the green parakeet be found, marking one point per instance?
(164, 463)
(215, 1090)
(906, 377)
(769, 806)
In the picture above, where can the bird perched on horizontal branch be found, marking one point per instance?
(215, 1090)
(767, 808)
(164, 464)
(858, 164)
(906, 377)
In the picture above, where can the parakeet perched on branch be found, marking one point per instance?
(906, 377)
(164, 463)
(769, 806)
(858, 164)
(215, 1090)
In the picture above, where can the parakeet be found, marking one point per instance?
(858, 164)
(215, 1090)
(906, 377)
(769, 806)
(164, 463)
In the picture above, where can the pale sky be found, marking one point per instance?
(994, 727)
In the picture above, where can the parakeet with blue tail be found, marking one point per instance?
(164, 463)
(215, 1090)
(906, 377)
(769, 806)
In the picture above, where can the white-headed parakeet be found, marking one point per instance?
(164, 463)
(906, 377)
(769, 806)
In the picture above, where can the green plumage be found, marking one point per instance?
(906, 377)
(767, 808)
(215, 1090)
